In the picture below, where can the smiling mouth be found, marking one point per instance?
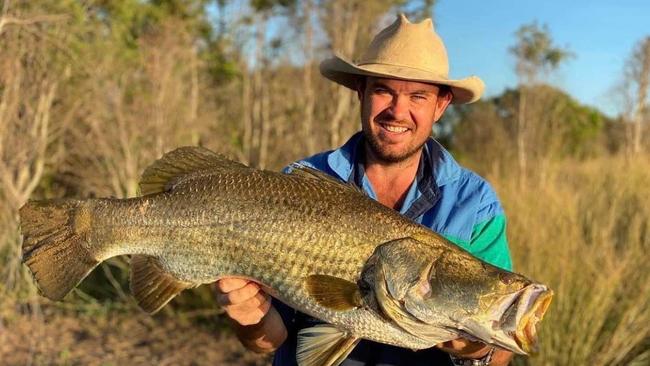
(394, 129)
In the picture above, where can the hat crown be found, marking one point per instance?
(406, 44)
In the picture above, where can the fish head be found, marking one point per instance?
(423, 287)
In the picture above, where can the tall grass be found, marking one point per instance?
(586, 233)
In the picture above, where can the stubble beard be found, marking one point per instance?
(383, 154)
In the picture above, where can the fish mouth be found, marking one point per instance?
(531, 307)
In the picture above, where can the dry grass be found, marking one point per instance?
(586, 233)
(113, 337)
(90, 128)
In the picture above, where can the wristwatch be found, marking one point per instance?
(483, 361)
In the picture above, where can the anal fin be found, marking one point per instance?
(324, 345)
(152, 287)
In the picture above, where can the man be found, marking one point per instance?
(402, 85)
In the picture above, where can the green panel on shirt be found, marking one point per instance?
(488, 242)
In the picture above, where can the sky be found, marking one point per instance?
(601, 35)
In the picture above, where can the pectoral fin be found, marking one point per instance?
(324, 345)
(152, 287)
(333, 292)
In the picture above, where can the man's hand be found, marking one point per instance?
(464, 348)
(256, 322)
(243, 300)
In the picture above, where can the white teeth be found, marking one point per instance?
(395, 129)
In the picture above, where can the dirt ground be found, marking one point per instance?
(117, 339)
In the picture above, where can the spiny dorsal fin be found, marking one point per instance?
(333, 292)
(304, 171)
(166, 171)
(324, 345)
(152, 287)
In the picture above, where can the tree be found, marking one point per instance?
(31, 122)
(637, 81)
(350, 25)
(535, 56)
(565, 128)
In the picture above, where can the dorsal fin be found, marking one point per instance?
(166, 171)
(302, 170)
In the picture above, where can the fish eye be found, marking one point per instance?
(507, 277)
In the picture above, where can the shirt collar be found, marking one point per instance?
(436, 161)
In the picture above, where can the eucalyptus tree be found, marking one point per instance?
(637, 80)
(536, 56)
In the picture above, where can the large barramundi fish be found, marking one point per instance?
(317, 244)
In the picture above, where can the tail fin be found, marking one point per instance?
(55, 246)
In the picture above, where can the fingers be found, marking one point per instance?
(265, 303)
(244, 301)
(230, 284)
(463, 347)
(250, 315)
(235, 294)
(458, 343)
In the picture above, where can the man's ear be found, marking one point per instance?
(442, 102)
(361, 86)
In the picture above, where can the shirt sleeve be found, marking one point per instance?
(489, 242)
(286, 313)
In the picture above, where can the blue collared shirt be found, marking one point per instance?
(449, 199)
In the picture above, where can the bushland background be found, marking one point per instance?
(93, 91)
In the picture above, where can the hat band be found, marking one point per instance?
(430, 73)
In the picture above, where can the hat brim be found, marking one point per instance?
(341, 71)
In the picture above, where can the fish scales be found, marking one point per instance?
(237, 230)
(315, 243)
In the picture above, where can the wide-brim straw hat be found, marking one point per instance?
(407, 51)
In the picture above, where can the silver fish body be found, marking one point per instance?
(318, 245)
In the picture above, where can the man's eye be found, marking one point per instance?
(419, 97)
(380, 91)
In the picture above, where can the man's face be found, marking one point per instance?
(397, 116)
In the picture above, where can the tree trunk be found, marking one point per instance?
(258, 92)
(246, 113)
(343, 42)
(307, 76)
(521, 137)
(643, 59)
(265, 123)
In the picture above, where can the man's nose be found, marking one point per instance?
(399, 107)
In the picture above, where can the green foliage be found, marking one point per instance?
(267, 5)
(417, 10)
(579, 128)
(119, 54)
(535, 52)
(585, 125)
